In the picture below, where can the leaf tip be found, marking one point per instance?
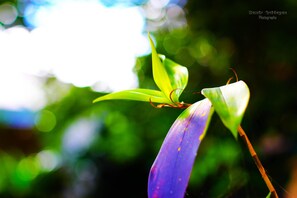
(96, 100)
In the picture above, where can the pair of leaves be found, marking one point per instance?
(170, 77)
(229, 101)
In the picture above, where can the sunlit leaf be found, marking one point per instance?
(145, 95)
(171, 170)
(160, 74)
(230, 102)
(170, 77)
(178, 76)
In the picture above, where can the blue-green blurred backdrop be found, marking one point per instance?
(57, 56)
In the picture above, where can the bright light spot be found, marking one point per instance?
(85, 43)
(48, 160)
(79, 136)
(20, 91)
(153, 11)
(27, 169)
(79, 42)
(176, 17)
(45, 121)
(159, 3)
(205, 48)
(165, 14)
(8, 14)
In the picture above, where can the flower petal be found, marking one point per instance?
(171, 170)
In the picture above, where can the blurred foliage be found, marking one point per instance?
(80, 149)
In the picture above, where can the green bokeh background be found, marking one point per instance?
(127, 135)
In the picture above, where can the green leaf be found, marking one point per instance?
(230, 102)
(178, 76)
(170, 77)
(160, 75)
(145, 95)
(269, 195)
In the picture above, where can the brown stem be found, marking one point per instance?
(258, 162)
